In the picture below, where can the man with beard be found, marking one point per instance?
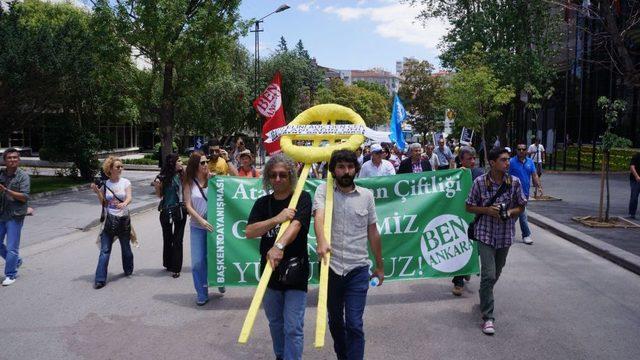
(353, 224)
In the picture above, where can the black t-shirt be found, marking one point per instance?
(267, 207)
(635, 161)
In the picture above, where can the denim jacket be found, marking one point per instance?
(19, 182)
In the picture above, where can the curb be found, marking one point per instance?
(137, 210)
(614, 254)
(60, 191)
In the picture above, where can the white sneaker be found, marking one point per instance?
(488, 328)
(527, 240)
(8, 281)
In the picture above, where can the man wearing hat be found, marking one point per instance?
(246, 168)
(377, 166)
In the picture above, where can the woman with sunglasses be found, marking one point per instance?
(195, 200)
(173, 217)
(115, 196)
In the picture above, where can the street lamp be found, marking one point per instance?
(256, 60)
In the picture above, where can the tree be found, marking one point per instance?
(475, 94)
(282, 46)
(519, 39)
(183, 40)
(59, 65)
(422, 95)
(370, 105)
(612, 112)
(300, 78)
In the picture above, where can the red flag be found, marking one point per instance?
(269, 105)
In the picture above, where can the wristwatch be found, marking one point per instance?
(279, 246)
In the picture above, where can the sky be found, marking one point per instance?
(347, 34)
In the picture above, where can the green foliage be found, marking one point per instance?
(422, 94)
(301, 78)
(517, 38)
(371, 86)
(370, 104)
(612, 111)
(475, 93)
(66, 142)
(59, 65)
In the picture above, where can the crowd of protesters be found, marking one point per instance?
(183, 191)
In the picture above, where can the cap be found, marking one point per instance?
(376, 148)
(245, 152)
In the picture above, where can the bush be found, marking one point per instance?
(143, 161)
(65, 141)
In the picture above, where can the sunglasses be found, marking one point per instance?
(282, 175)
(119, 166)
(520, 149)
(203, 163)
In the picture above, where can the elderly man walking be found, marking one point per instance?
(353, 225)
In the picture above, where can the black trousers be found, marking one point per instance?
(172, 235)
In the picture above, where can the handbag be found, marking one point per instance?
(114, 224)
(293, 271)
(471, 230)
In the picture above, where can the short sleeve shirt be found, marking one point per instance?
(523, 171)
(267, 207)
(116, 191)
(353, 212)
(220, 167)
(370, 170)
(444, 156)
(635, 161)
(535, 151)
(489, 230)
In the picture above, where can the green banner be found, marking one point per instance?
(421, 219)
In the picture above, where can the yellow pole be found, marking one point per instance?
(266, 274)
(321, 318)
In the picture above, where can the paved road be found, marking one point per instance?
(580, 196)
(554, 301)
(61, 214)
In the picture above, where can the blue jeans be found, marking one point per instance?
(347, 297)
(285, 312)
(524, 223)
(633, 201)
(10, 252)
(106, 243)
(199, 262)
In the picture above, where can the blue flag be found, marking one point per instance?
(398, 115)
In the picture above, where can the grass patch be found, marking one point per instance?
(40, 184)
(143, 161)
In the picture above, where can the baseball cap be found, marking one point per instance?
(376, 148)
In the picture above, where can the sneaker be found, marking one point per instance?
(222, 289)
(457, 290)
(8, 281)
(175, 275)
(488, 328)
(527, 240)
(202, 302)
(99, 285)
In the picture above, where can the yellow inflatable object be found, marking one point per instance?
(321, 314)
(322, 114)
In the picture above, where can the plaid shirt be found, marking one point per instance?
(489, 230)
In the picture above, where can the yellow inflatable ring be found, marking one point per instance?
(325, 114)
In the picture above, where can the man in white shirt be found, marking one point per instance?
(537, 154)
(377, 166)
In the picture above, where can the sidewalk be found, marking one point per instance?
(63, 213)
(580, 197)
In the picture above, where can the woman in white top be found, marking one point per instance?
(115, 196)
(195, 200)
